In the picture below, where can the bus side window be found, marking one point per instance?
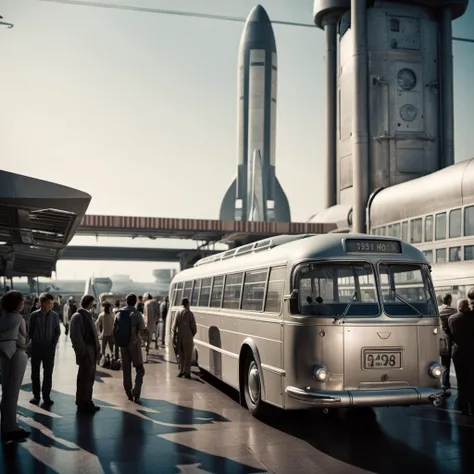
(275, 290)
(205, 292)
(232, 290)
(178, 296)
(195, 297)
(254, 290)
(188, 288)
(217, 290)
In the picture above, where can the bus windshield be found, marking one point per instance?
(330, 289)
(406, 291)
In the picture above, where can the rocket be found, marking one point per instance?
(256, 194)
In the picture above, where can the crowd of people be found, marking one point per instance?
(124, 331)
(457, 344)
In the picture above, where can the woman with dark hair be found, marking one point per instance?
(13, 360)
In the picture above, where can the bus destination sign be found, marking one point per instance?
(373, 246)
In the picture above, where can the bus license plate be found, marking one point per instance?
(382, 359)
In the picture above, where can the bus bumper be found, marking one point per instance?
(365, 398)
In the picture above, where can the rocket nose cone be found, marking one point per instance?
(258, 15)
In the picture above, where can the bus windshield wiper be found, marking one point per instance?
(403, 300)
(354, 297)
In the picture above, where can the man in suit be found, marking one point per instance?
(461, 328)
(445, 311)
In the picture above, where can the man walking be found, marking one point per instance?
(85, 343)
(184, 330)
(152, 316)
(129, 328)
(44, 331)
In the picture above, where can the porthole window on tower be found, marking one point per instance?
(408, 113)
(407, 79)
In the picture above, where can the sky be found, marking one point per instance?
(139, 109)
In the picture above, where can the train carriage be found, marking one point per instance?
(333, 320)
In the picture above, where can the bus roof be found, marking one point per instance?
(327, 246)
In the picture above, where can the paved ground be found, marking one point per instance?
(193, 426)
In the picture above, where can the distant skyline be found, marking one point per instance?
(140, 110)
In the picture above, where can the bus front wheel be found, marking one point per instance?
(253, 387)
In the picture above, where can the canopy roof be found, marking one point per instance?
(37, 221)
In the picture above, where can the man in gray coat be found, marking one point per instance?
(85, 343)
(445, 311)
(44, 331)
(184, 330)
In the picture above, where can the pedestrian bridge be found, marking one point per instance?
(135, 254)
(207, 231)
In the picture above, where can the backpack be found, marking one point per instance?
(123, 328)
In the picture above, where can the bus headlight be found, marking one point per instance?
(435, 370)
(320, 373)
(435, 331)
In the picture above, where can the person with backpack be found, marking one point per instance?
(85, 343)
(129, 329)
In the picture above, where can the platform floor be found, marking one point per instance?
(192, 426)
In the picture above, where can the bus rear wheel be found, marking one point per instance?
(253, 388)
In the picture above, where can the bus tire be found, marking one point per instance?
(253, 387)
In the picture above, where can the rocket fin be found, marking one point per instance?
(282, 206)
(227, 212)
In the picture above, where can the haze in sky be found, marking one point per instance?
(139, 109)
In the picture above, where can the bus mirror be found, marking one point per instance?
(292, 296)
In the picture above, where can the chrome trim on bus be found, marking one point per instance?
(266, 367)
(368, 398)
(217, 349)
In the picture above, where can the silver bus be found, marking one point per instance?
(325, 321)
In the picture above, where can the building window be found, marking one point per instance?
(396, 230)
(455, 254)
(217, 290)
(195, 297)
(440, 231)
(455, 224)
(232, 291)
(205, 292)
(440, 255)
(254, 290)
(429, 229)
(276, 287)
(469, 220)
(405, 231)
(429, 255)
(469, 252)
(416, 231)
(382, 231)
